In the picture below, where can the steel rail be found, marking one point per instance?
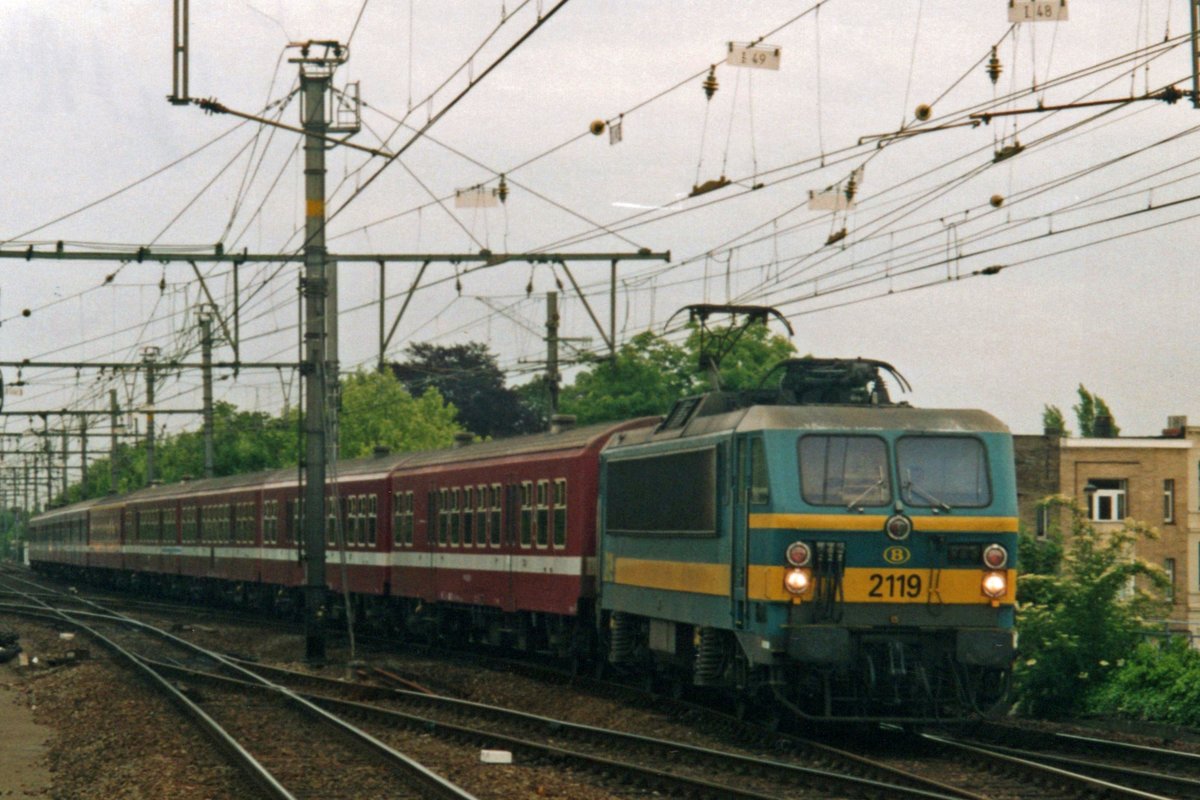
(431, 781)
(241, 758)
(1113, 789)
(557, 727)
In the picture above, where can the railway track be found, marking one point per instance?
(667, 766)
(260, 738)
(769, 763)
(1152, 769)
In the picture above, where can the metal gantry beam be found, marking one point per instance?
(484, 257)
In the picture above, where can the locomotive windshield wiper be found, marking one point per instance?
(853, 504)
(912, 487)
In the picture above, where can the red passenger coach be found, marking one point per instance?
(494, 541)
(498, 539)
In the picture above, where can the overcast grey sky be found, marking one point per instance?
(1093, 234)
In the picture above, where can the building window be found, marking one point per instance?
(1169, 568)
(1043, 521)
(1169, 500)
(1106, 500)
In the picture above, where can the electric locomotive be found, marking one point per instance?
(816, 550)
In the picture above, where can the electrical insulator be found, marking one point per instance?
(529, 287)
(502, 192)
(851, 188)
(710, 83)
(993, 68)
(458, 284)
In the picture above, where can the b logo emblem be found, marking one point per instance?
(896, 555)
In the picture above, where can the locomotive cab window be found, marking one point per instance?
(668, 494)
(848, 471)
(943, 472)
(760, 484)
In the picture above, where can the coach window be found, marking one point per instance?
(433, 516)
(453, 514)
(560, 513)
(409, 518)
(372, 519)
(526, 513)
(468, 517)
(849, 471)
(481, 516)
(355, 537)
(543, 513)
(402, 518)
(494, 529)
(331, 512)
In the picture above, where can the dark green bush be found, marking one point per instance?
(1159, 681)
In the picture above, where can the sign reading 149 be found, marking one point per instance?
(762, 56)
(1037, 10)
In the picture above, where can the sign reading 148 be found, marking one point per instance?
(1037, 10)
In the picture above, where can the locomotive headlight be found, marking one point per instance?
(797, 581)
(995, 584)
(995, 557)
(799, 554)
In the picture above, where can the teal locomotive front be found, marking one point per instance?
(833, 561)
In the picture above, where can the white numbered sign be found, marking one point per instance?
(763, 56)
(1037, 10)
(475, 197)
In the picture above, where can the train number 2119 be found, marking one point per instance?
(895, 584)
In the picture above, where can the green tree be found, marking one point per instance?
(468, 377)
(378, 412)
(1079, 622)
(749, 359)
(1089, 408)
(650, 373)
(1053, 421)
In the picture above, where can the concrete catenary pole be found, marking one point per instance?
(149, 355)
(313, 85)
(113, 422)
(552, 376)
(206, 344)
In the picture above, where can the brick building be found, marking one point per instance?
(1154, 480)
